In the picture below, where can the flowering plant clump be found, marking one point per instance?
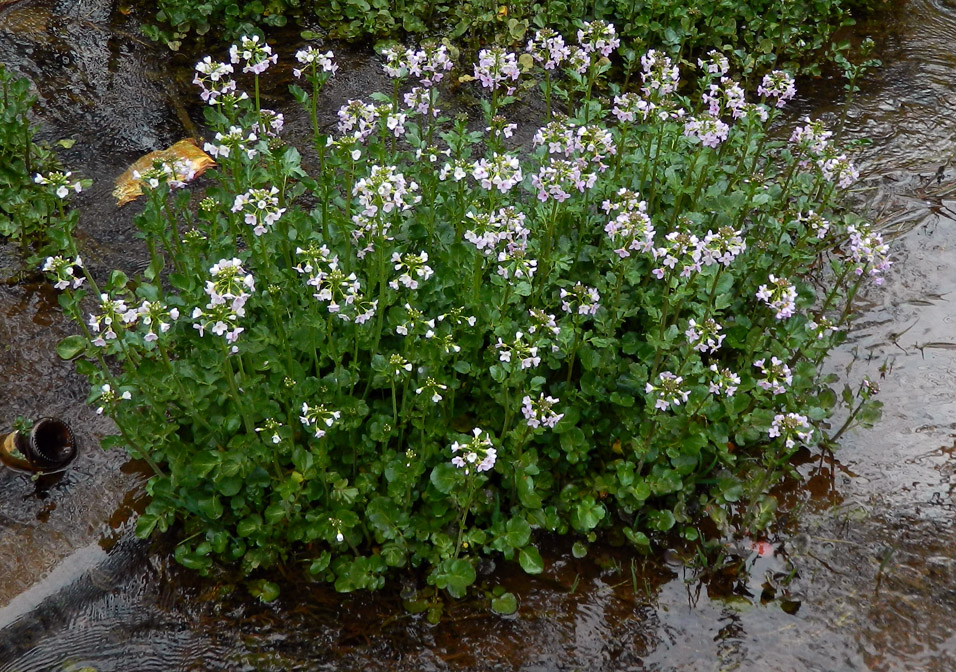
(34, 191)
(614, 326)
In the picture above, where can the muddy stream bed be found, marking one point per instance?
(859, 575)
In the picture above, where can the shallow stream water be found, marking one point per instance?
(860, 575)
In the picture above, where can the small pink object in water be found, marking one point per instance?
(763, 548)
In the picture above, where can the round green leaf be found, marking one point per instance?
(530, 560)
(443, 477)
(266, 591)
(71, 347)
(518, 532)
(505, 605)
(455, 575)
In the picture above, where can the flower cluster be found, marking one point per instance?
(394, 120)
(315, 61)
(331, 284)
(385, 190)
(709, 130)
(257, 57)
(725, 381)
(153, 314)
(704, 337)
(727, 95)
(432, 388)
(780, 295)
(791, 427)
(62, 271)
(581, 300)
(778, 84)
(554, 179)
(429, 64)
(525, 353)
(668, 391)
(230, 284)
(598, 37)
(478, 453)
(776, 375)
(358, 119)
(515, 262)
(114, 314)
(869, 253)
(502, 172)
(398, 366)
(260, 208)
(681, 247)
(175, 174)
(412, 268)
(500, 128)
(228, 291)
(272, 425)
(722, 247)
(631, 107)
(811, 139)
(318, 418)
(213, 79)
(815, 223)
(592, 143)
(108, 396)
(496, 66)
(59, 182)
(270, 123)
(487, 229)
(422, 100)
(660, 75)
(543, 323)
(631, 229)
(715, 65)
(578, 61)
(821, 327)
(540, 412)
(232, 142)
(838, 169)
(813, 143)
(547, 47)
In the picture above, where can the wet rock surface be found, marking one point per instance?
(861, 574)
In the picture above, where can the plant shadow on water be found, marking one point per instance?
(860, 573)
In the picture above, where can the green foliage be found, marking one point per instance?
(755, 34)
(438, 341)
(31, 213)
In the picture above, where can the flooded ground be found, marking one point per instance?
(861, 574)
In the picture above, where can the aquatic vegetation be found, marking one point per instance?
(418, 341)
(33, 188)
(762, 35)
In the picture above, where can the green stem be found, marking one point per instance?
(234, 391)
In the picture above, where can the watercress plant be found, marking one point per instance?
(442, 338)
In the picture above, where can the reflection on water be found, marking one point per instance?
(860, 575)
(86, 62)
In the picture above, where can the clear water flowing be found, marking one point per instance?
(861, 575)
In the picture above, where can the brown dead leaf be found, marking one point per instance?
(129, 189)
